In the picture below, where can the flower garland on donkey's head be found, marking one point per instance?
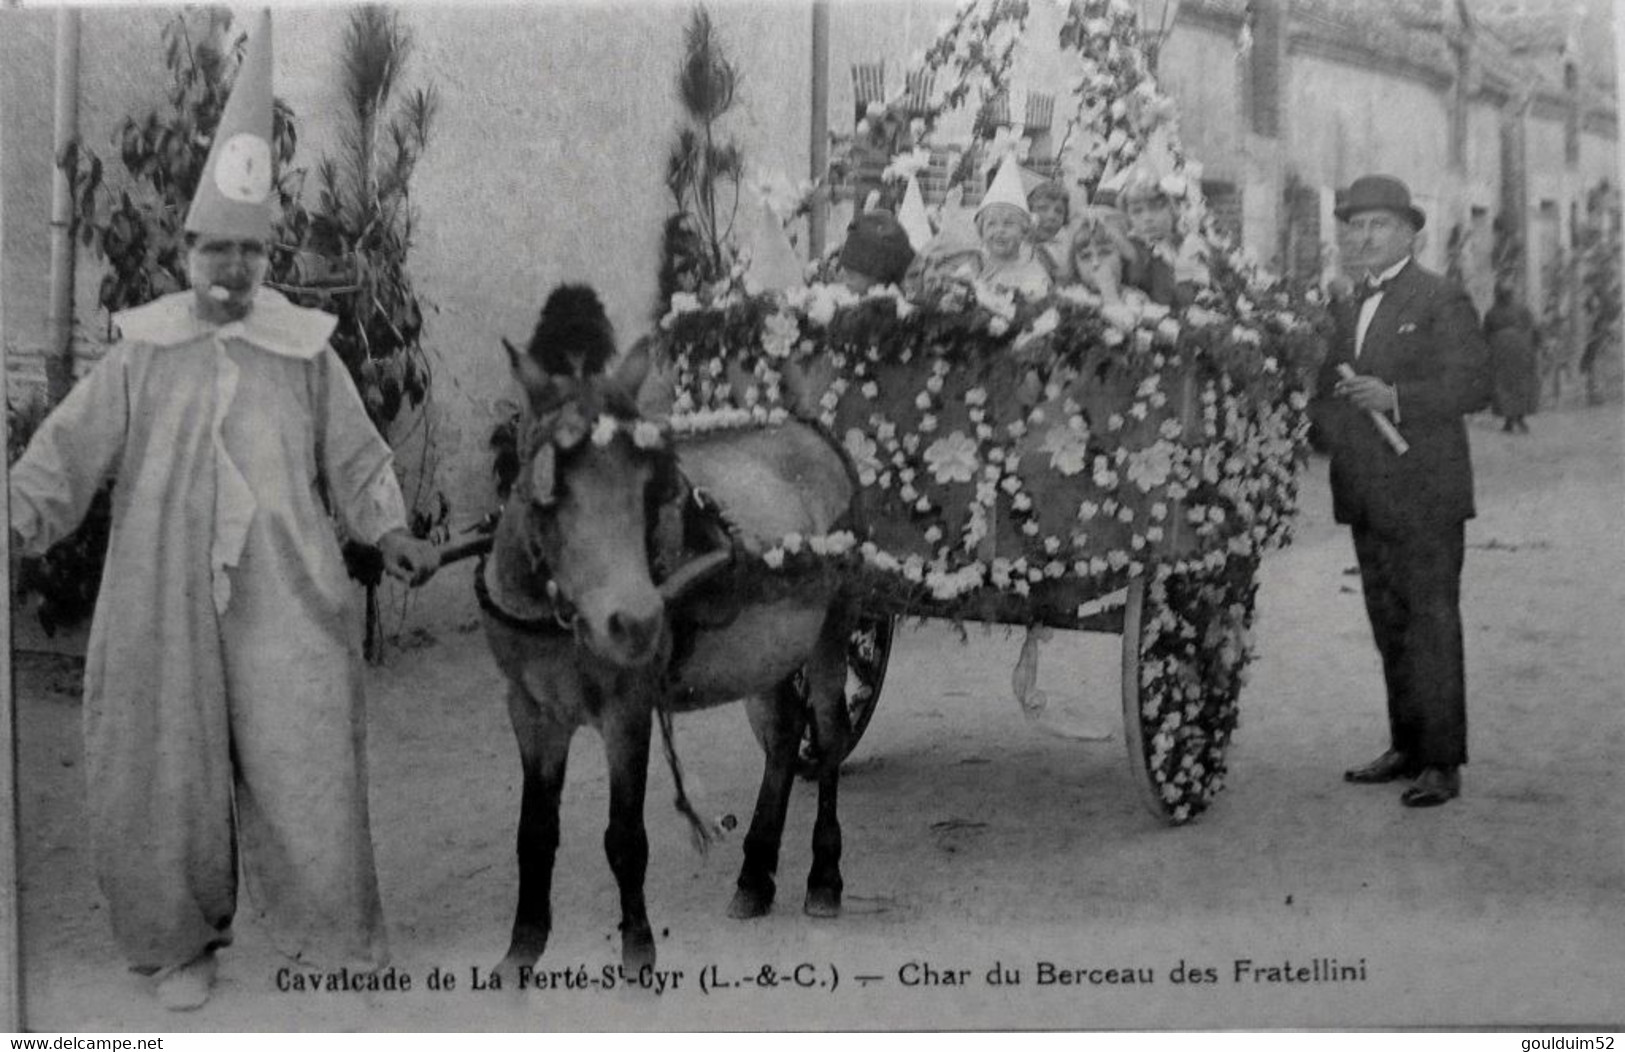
(1079, 384)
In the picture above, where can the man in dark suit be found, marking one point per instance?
(1408, 352)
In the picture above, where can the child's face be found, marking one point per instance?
(1049, 216)
(1151, 219)
(944, 270)
(1098, 264)
(1003, 229)
(856, 281)
(225, 274)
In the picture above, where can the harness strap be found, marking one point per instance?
(550, 623)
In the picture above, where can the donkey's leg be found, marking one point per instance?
(779, 724)
(832, 727)
(544, 746)
(626, 724)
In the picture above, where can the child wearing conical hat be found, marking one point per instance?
(1003, 222)
(944, 273)
(224, 718)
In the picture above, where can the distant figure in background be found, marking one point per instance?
(1514, 341)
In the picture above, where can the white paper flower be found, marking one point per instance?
(1149, 467)
(1068, 449)
(863, 451)
(780, 332)
(646, 435)
(952, 458)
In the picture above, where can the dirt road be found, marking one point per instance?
(977, 842)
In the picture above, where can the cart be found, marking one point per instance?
(1053, 467)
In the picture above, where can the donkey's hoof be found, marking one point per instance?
(637, 951)
(512, 968)
(749, 903)
(822, 902)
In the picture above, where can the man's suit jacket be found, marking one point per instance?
(1425, 341)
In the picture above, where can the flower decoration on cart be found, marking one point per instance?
(1023, 458)
(1024, 466)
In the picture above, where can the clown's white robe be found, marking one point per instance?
(223, 680)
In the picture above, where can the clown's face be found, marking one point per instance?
(225, 273)
(1003, 229)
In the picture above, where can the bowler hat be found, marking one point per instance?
(1372, 192)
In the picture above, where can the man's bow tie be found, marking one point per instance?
(1366, 289)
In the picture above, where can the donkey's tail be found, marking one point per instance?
(701, 832)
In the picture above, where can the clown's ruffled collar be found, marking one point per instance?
(274, 324)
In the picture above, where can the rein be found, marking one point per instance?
(560, 620)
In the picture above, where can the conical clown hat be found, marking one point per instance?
(913, 216)
(233, 197)
(1006, 189)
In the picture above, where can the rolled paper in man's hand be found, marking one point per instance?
(1386, 427)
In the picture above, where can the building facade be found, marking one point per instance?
(547, 162)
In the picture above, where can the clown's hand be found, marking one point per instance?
(407, 558)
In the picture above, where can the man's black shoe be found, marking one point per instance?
(1434, 786)
(1389, 767)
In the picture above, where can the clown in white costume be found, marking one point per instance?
(223, 681)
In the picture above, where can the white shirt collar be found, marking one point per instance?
(274, 324)
(1393, 272)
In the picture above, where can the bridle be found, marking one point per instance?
(669, 488)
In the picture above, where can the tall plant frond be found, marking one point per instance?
(680, 163)
(418, 115)
(707, 80)
(376, 46)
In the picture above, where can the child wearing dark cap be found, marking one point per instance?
(876, 252)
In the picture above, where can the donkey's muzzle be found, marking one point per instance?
(634, 637)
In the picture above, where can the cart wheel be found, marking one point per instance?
(1133, 732)
(868, 650)
(1191, 728)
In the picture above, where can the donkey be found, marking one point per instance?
(585, 635)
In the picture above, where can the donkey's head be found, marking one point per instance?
(592, 478)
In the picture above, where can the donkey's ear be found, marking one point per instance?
(527, 371)
(634, 368)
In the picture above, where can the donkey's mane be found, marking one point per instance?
(573, 336)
